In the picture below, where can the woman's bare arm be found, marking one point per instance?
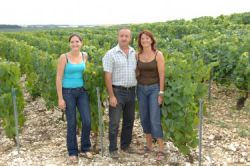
(59, 75)
(161, 69)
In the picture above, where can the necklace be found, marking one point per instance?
(147, 57)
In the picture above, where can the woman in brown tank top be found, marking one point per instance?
(150, 90)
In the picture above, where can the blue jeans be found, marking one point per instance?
(149, 109)
(125, 107)
(77, 97)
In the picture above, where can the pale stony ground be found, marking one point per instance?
(226, 130)
(226, 138)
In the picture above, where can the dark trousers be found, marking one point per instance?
(126, 108)
(77, 97)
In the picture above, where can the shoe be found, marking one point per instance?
(72, 160)
(160, 156)
(87, 155)
(145, 150)
(114, 155)
(129, 150)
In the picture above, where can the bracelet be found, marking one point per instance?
(161, 93)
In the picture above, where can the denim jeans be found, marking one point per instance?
(149, 108)
(126, 108)
(77, 98)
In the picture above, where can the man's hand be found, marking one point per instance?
(112, 101)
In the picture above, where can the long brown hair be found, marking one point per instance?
(149, 34)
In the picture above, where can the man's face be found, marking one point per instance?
(124, 37)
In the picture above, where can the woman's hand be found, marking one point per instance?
(61, 104)
(160, 100)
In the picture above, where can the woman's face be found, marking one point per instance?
(75, 43)
(145, 41)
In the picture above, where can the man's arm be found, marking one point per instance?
(108, 82)
(107, 62)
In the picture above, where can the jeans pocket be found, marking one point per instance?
(155, 88)
(117, 92)
(66, 91)
(67, 97)
(83, 90)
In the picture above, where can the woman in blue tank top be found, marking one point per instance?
(72, 95)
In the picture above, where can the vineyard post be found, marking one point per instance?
(2, 100)
(210, 83)
(100, 118)
(16, 116)
(200, 130)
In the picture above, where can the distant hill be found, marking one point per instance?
(3, 26)
(237, 18)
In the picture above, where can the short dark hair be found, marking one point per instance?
(124, 28)
(75, 35)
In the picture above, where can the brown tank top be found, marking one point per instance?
(148, 72)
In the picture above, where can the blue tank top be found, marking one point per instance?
(73, 75)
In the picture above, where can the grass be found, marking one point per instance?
(243, 133)
(221, 124)
(243, 130)
(247, 107)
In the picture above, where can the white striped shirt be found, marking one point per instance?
(121, 66)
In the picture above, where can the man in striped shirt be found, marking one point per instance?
(119, 65)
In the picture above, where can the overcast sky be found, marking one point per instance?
(83, 12)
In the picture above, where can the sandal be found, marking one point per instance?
(144, 150)
(87, 155)
(160, 156)
(73, 160)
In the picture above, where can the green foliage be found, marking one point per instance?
(10, 78)
(242, 72)
(184, 88)
(93, 77)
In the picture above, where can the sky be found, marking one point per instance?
(93, 12)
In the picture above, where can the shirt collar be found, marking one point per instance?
(118, 49)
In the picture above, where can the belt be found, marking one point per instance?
(123, 88)
(80, 88)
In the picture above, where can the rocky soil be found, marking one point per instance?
(226, 138)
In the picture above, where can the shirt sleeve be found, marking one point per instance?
(107, 62)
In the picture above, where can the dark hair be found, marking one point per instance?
(149, 34)
(75, 35)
